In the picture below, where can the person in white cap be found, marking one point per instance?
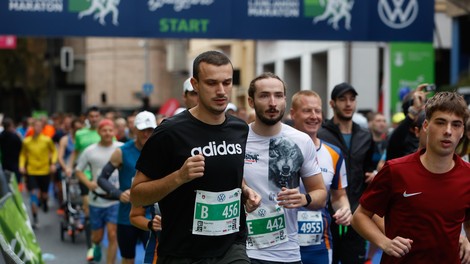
(124, 158)
(190, 97)
(231, 109)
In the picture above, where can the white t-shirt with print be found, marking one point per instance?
(273, 162)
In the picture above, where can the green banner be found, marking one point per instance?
(15, 227)
(410, 65)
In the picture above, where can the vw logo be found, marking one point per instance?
(221, 198)
(262, 212)
(398, 14)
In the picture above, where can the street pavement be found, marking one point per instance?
(54, 250)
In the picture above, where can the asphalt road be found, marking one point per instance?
(54, 250)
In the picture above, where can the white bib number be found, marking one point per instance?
(217, 213)
(310, 225)
(266, 227)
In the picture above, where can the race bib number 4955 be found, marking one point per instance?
(216, 213)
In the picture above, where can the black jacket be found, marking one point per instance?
(358, 158)
(402, 141)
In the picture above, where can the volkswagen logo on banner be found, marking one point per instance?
(398, 14)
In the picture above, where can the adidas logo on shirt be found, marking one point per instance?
(221, 149)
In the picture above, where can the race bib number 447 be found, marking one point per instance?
(217, 213)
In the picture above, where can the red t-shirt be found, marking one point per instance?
(425, 207)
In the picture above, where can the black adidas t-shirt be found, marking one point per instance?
(176, 139)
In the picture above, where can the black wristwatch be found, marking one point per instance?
(308, 198)
(149, 225)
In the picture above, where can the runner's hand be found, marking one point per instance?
(125, 196)
(464, 250)
(398, 247)
(192, 168)
(290, 198)
(343, 216)
(93, 185)
(157, 223)
(252, 199)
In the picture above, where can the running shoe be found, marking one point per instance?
(97, 253)
(89, 254)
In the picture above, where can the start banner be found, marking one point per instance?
(345, 20)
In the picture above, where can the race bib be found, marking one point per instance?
(310, 227)
(266, 227)
(217, 213)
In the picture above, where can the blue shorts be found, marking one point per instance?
(100, 216)
(316, 256)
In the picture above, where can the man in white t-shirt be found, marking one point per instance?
(277, 157)
(103, 212)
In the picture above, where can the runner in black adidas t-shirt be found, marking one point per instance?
(193, 166)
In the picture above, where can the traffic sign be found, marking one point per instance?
(147, 88)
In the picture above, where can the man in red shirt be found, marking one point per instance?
(424, 197)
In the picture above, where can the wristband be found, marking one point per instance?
(308, 198)
(149, 225)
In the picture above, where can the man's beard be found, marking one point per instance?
(342, 117)
(267, 121)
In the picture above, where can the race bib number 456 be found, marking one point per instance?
(217, 213)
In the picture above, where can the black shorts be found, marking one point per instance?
(127, 236)
(236, 254)
(41, 182)
(83, 189)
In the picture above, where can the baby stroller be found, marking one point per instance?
(74, 215)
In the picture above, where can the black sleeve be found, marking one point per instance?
(369, 164)
(103, 182)
(397, 138)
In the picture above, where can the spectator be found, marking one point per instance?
(357, 145)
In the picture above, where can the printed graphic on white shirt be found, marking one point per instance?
(285, 161)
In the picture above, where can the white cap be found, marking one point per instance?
(187, 87)
(144, 120)
(232, 107)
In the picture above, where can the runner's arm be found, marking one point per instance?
(364, 225)
(108, 169)
(147, 191)
(316, 188)
(138, 219)
(340, 204)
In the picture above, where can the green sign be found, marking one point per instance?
(411, 64)
(15, 227)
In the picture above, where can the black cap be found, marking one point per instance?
(341, 89)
